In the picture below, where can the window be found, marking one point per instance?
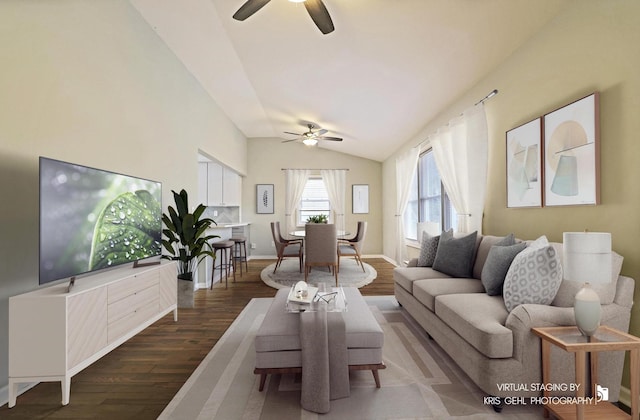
(428, 202)
(314, 201)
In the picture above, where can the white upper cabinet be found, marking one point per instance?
(231, 188)
(223, 186)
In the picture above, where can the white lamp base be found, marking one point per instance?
(587, 310)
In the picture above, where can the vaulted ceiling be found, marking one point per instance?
(388, 68)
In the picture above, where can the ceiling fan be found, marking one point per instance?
(311, 137)
(316, 8)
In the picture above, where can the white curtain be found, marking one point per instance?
(406, 166)
(295, 180)
(460, 152)
(335, 182)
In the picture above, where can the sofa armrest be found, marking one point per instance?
(624, 291)
(413, 262)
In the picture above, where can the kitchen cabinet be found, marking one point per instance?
(222, 185)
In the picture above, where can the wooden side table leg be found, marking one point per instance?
(594, 372)
(546, 351)
(634, 364)
(580, 380)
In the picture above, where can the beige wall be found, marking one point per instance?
(91, 83)
(592, 46)
(266, 159)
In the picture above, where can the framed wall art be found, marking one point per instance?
(360, 195)
(572, 154)
(264, 198)
(524, 165)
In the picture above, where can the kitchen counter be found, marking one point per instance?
(229, 225)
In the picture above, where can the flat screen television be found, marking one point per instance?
(92, 219)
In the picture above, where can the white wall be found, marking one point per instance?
(91, 83)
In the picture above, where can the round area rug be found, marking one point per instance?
(288, 274)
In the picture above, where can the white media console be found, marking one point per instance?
(54, 334)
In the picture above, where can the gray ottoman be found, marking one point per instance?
(278, 347)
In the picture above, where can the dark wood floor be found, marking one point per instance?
(139, 378)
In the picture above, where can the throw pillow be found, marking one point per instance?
(428, 249)
(496, 267)
(455, 255)
(539, 243)
(534, 277)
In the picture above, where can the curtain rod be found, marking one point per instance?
(312, 169)
(491, 94)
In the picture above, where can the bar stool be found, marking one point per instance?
(226, 255)
(240, 246)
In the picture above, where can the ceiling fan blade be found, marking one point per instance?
(249, 8)
(320, 15)
(329, 138)
(320, 132)
(295, 134)
(289, 141)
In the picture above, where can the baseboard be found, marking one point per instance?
(22, 388)
(625, 396)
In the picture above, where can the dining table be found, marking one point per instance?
(301, 234)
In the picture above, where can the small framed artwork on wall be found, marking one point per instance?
(264, 198)
(360, 198)
(572, 154)
(524, 167)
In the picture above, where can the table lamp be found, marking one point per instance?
(587, 258)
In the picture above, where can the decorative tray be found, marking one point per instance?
(311, 293)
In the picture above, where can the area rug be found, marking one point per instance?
(420, 382)
(288, 274)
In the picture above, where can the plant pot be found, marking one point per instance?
(185, 293)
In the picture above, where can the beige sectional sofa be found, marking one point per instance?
(495, 346)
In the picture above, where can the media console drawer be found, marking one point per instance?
(131, 303)
(132, 319)
(131, 285)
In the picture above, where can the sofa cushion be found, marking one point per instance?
(479, 319)
(534, 277)
(455, 256)
(406, 276)
(496, 267)
(428, 249)
(485, 246)
(607, 292)
(426, 291)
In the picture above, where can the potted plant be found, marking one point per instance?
(318, 218)
(186, 241)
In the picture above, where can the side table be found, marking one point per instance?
(605, 339)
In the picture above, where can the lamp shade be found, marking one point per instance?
(587, 257)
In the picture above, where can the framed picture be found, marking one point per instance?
(572, 154)
(264, 198)
(360, 198)
(524, 165)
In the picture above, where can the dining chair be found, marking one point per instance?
(352, 247)
(286, 248)
(321, 248)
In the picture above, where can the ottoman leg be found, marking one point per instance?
(376, 377)
(263, 379)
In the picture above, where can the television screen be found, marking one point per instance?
(91, 219)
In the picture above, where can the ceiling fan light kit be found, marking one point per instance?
(316, 9)
(311, 137)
